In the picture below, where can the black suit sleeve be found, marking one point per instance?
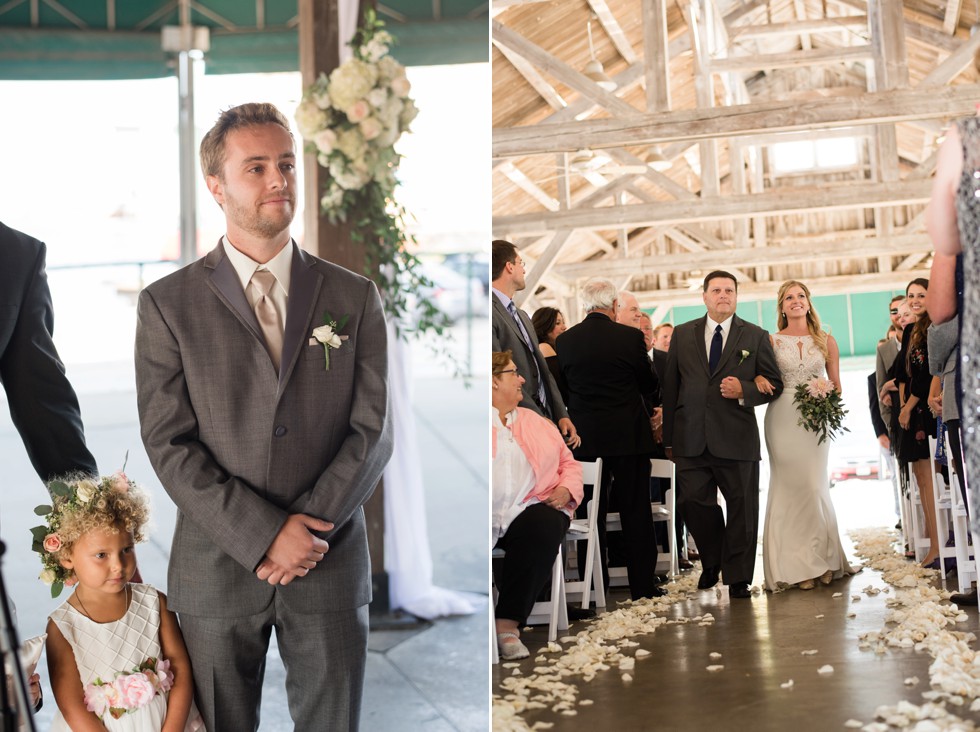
(43, 405)
(874, 407)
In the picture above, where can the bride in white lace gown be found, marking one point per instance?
(801, 544)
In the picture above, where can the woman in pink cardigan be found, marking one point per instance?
(536, 486)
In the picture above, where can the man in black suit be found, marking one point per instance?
(43, 406)
(608, 375)
(513, 331)
(711, 434)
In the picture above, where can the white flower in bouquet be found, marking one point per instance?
(310, 119)
(333, 197)
(401, 86)
(389, 68)
(325, 141)
(377, 97)
(351, 81)
(389, 111)
(370, 128)
(346, 177)
(321, 98)
(351, 143)
(377, 47)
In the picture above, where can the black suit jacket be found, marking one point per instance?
(43, 406)
(507, 337)
(608, 375)
(874, 405)
(696, 416)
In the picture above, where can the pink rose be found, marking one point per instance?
(358, 111)
(165, 675)
(120, 482)
(95, 699)
(135, 690)
(52, 543)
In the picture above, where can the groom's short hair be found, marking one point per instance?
(598, 294)
(502, 254)
(719, 274)
(244, 115)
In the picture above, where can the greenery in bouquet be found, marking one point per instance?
(351, 120)
(820, 407)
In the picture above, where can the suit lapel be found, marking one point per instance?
(304, 289)
(699, 348)
(224, 282)
(733, 337)
(511, 323)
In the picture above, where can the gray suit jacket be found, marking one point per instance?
(507, 337)
(239, 447)
(884, 358)
(696, 416)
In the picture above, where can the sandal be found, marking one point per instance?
(511, 648)
(827, 577)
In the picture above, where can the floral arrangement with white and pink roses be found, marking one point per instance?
(129, 690)
(820, 407)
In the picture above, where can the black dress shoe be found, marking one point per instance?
(684, 564)
(709, 578)
(656, 592)
(968, 599)
(739, 589)
(577, 613)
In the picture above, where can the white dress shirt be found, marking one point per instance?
(513, 478)
(709, 333)
(280, 266)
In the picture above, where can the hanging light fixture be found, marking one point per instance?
(593, 69)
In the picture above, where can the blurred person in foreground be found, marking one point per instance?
(43, 406)
(537, 484)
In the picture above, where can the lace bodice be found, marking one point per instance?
(796, 367)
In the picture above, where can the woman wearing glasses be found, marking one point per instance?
(536, 486)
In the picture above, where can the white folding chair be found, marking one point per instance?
(664, 512)
(590, 587)
(552, 611)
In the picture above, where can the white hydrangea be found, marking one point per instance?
(310, 119)
(351, 81)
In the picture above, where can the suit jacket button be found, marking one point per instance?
(280, 431)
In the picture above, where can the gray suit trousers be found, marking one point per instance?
(324, 655)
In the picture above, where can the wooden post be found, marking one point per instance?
(319, 51)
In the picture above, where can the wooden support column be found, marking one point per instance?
(656, 59)
(704, 94)
(319, 51)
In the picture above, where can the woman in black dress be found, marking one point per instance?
(915, 421)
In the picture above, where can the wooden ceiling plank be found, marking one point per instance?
(560, 70)
(792, 59)
(770, 203)
(799, 27)
(899, 105)
(614, 30)
(656, 55)
(786, 253)
(951, 19)
(957, 62)
(518, 178)
(800, 9)
(544, 89)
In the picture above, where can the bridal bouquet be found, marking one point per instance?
(820, 407)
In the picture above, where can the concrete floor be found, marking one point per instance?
(761, 642)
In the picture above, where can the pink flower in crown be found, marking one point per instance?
(52, 543)
(135, 691)
(120, 482)
(820, 388)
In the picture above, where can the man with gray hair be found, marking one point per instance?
(628, 309)
(609, 378)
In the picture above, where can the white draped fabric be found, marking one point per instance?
(408, 559)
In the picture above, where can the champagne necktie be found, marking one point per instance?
(267, 315)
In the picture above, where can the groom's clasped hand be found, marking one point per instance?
(295, 550)
(731, 388)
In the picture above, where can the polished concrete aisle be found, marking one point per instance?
(762, 643)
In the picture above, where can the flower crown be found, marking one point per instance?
(77, 505)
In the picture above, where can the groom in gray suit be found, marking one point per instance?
(268, 442)
(711, 434)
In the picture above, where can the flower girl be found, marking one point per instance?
(116, 657)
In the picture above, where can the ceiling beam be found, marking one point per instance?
(799, 27)
(779, 202)
(785, 253)
(897, 105)
(791, 60)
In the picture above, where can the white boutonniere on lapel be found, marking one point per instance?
(328, 336)
(745, 355)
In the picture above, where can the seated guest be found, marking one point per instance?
(537, 484)
(548, 324)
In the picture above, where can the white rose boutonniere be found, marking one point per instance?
(745, 355)
(328, 336)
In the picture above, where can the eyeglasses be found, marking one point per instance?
(507, 371)
(894, 311)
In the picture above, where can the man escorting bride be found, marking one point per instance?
(801, 545)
